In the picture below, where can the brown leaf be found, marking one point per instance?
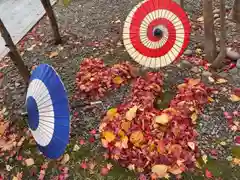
(160, 170)
(65, 159)
(53, 54)
(29, 162)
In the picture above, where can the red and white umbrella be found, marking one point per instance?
(156, 32)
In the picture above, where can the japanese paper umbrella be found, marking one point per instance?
(48, 111)
(156, 32)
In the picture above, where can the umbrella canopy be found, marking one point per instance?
(156, 33)
(48, 111)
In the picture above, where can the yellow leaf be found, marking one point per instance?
(137, 138)
(221, 81)
(121, 133)
(109, 136)
(126, 125)
(160, 170)
(210, 99)
(191, 145)
(193, 82)
(118, 80)
(194, 117)
(162, 119)
(204, 158)
(111, 112)
(53, 54)
(234, 98)
(131, 113)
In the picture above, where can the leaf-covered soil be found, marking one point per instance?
(93, 28)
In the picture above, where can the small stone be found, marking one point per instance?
(238, 63)
(216, 16)
(233, 55)
(17, 84)
(185, 64)
(216, 20)
(188, 52)
(195, 69)
(206, 73)
(233, 71)
(223, 74)
(216, 11)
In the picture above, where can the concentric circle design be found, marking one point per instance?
(48, 111)
(156, 32)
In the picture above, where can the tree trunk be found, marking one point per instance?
(14, 54)
(221, 56)
(48, 8)
(236, 11)
(182, 3)
(210, 38)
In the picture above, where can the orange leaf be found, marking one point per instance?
(118, 80)
(131, 113)
(160, 170)
(193, 82)
(181, 86)
(3, 127)
(234, 98)
(109, 136)
(126, 125)
(136, 138)
(162, 119)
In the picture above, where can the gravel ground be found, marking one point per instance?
(93, 28)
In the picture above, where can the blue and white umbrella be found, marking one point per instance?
(48, 111)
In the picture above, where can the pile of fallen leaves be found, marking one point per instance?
(94, 79)
(145, 139)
